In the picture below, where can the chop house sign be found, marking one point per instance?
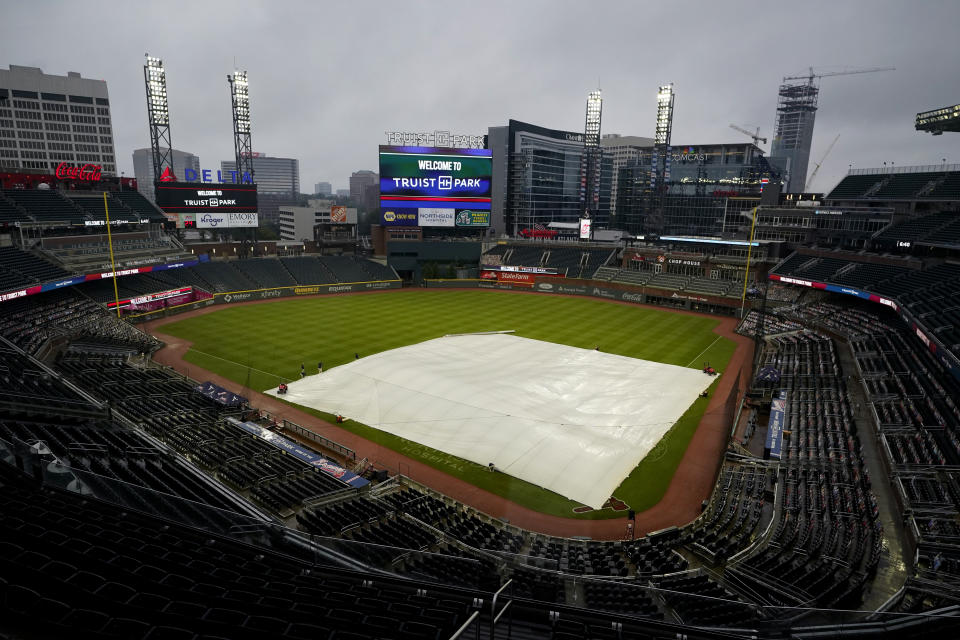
(90, 172)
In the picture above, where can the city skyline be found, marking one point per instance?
(395, 81)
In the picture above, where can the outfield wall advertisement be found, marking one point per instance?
(544, 283)
(304, 290)
(255, 295)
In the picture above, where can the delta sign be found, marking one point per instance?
(208, 175)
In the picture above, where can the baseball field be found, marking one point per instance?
(261, 345)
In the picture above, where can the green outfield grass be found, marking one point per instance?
(260, 345)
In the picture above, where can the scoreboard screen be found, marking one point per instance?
(199, 198)
(433, 178)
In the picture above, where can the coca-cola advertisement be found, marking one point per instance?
(87, 172)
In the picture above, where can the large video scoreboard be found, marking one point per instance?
(193, 197)
(435, 187)
(208, 205)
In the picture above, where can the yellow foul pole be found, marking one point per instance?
(113, 267)
(743, 296)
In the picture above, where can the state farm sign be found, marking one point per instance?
(509, 276)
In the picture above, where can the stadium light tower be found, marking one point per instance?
(939, 120)
(660, 159)
(592, 155)
(242, 146)
(158, 116)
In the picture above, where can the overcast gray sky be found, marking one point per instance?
(327, 79)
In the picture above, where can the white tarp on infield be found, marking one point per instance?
(574, 421)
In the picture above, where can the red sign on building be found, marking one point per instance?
(88, 172)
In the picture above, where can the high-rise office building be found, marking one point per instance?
(359, 181)
(47, 121)
(323, 189)
(143, 168)
(622, 151)
(793, 132)
(537, 177)
(709, 187)
(278, 177)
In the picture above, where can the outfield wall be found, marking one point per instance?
(231, 297)
(564, 286)
(606, 290)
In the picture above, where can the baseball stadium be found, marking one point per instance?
(477, 405)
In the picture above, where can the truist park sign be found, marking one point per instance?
(436, 139)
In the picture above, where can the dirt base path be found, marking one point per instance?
(691, 484)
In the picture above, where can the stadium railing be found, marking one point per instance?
(326, 443)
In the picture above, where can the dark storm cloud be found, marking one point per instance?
(327, 79)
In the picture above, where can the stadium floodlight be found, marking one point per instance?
(240, 100)
(594, 108)
(939, 120)
(660, 159)
(158, 115)
(590, 161)
(664, 114)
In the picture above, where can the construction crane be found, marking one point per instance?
(813, 174)
(793, 128)
(809, 78)
(755, 135)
